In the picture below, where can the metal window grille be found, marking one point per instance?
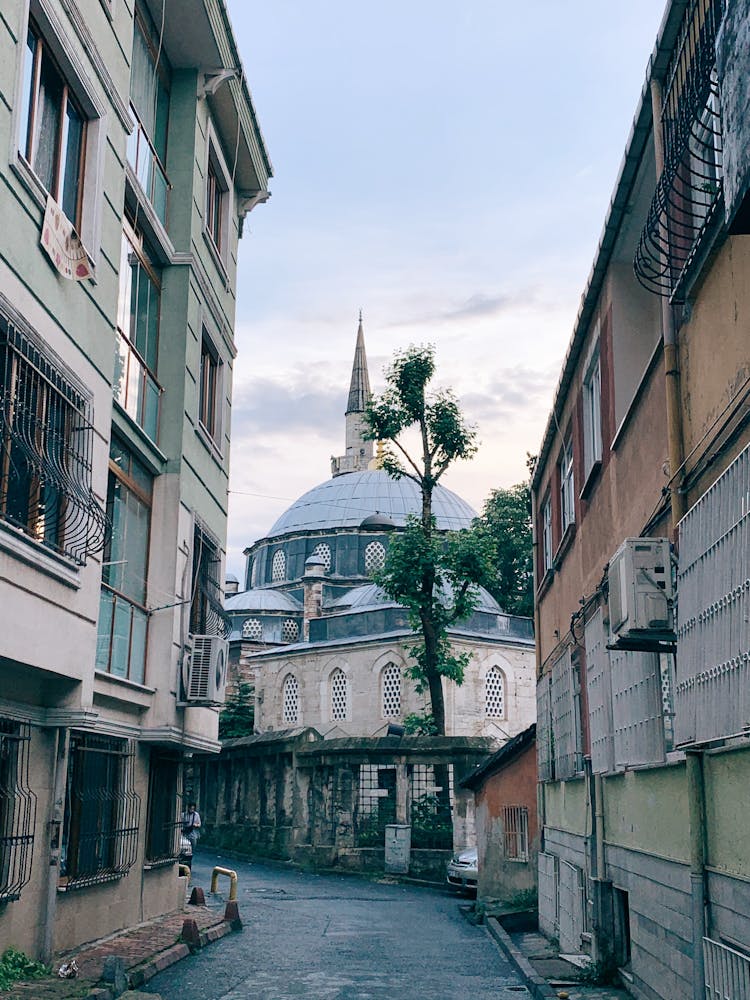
(726, 972)
(376, 803)
(17, 809)
(548, 894)
(565, 726)
(494, 693)
(598, 684)
(289, 630)
(163, 822)
(252, 628)
(100, 832)
(431, 798)
(278, 566)
(207, 616)
(46, 445)
(666, 671)
(690, 186)
(572, 906)
(637, 713)
(339, 694)
(516, 833)
(712, 693)
(323, 552)
(374, 557)
(544, 745)
(391, 691)
(291, 700)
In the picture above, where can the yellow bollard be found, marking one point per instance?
(233, 881)
(184, 870)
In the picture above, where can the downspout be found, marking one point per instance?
(54, 831)
(541, 804)
(694, 762)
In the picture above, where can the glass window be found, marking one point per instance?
(207, 612)
(163, 822)
(216, 193)
(547, 534)
(17, 809)
(567, 487)
(209, 413)
(54, 127)
(592, 413)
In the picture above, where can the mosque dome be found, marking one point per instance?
(348, 500)
(263, 600)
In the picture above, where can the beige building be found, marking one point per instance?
(130, 154)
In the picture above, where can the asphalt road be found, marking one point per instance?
(339, 938)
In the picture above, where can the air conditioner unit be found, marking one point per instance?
(640, 589)
(207, 670)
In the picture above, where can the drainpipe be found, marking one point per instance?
(697, 809)
(541, 804)
(671, 353)
(54, 828)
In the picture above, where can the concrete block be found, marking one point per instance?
(113, 971)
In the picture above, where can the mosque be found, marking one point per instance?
(326, 648)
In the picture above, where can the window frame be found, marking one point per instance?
(211, 391)
(207, 591)
(495, 670)
(217, 199)
(18, 805)
(392, 668)
(338, 674)
(162, 844)
(287, 684)
(566, 466)
(548, 552)
(592, 411)
(516, 833)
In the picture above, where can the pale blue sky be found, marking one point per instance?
(446, 168)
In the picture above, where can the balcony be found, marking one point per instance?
(135, 388)
(147, 168)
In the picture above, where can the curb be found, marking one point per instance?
(141, 974)
(539, 987)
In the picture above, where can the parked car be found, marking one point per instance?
(463, 869)
(186, 851)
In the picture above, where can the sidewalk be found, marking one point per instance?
(547, 974)
(144, 950)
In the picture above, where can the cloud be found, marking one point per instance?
(269, 407)
(513, 392)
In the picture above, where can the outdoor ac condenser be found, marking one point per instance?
(207, 672)
(640, 589)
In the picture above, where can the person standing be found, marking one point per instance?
(191, 822)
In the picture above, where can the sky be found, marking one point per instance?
(446, 168)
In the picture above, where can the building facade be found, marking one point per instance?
(130, 156)
(641, 510)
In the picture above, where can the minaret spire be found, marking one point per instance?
(359, 451)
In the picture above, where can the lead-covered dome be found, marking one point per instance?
(347, 500)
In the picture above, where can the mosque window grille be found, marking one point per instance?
(252, 628)
(291, 701)
(339, 695)
(322, 551)
(289, 630)
(374, 557)
(494, 689)
(17, 809)
(278, 566)
(391, 684)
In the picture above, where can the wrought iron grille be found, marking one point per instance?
(102, 813)
(164, 797)
(17, 809)
(566, 726)
(376, 804)
(46, 440)
(727, 972)
(690, 186)
(545, 751)
(207, 615)
(637, 708)
(516, 833)
(431, 794)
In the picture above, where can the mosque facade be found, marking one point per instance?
(325, 648)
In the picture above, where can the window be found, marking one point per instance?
(339, 694)
(252, 629)
(291, 700)
(374, 557)
(163, 822)
(567, 498)
(278, 566)
(494, 693)
(391, 685)
(207, 611)
(217, 203)
(149, 101)
(565, 718)
(102, 811)
(289, 630)
(135, 386)
(53, 136)
(547, 534)
(17, 809)
(323, 552)
(516, 833)
(46, 440)
(592, 413)
(209, 413)
(123, 618)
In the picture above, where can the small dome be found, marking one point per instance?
(263, 600)
(378, 520)
(231, 578)
(371, 596)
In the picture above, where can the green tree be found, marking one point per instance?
(237, 718)
(433, 574)
(506, 523)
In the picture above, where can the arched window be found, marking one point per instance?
(391, 690)
(322, 551)
(374, 557)
(278, 566)
(252, 629)
(494, 693)
(339, 694)
(289, 630)
(291, 700)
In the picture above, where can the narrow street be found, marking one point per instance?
(339, 937)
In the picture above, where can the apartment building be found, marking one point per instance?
(130, 154)
(642, 516)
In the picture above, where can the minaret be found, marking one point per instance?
(359, 451)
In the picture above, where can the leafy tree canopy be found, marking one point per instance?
(506, 525)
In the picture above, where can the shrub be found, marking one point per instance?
(14, 966)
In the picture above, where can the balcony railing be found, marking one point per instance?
(147, 167)
(121, 637)
(727, 972)
(135, 388)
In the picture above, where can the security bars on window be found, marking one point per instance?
(17, 809)
(339, 695)
(374, 557)
(431, 817)
(391, 691)
(495, 693)
(278, 566)
(323, 552)
(207, 615)
(516, 833)
(291, 701)
(289, 631)
(46, 442)
(164, 814)
(252, 629)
